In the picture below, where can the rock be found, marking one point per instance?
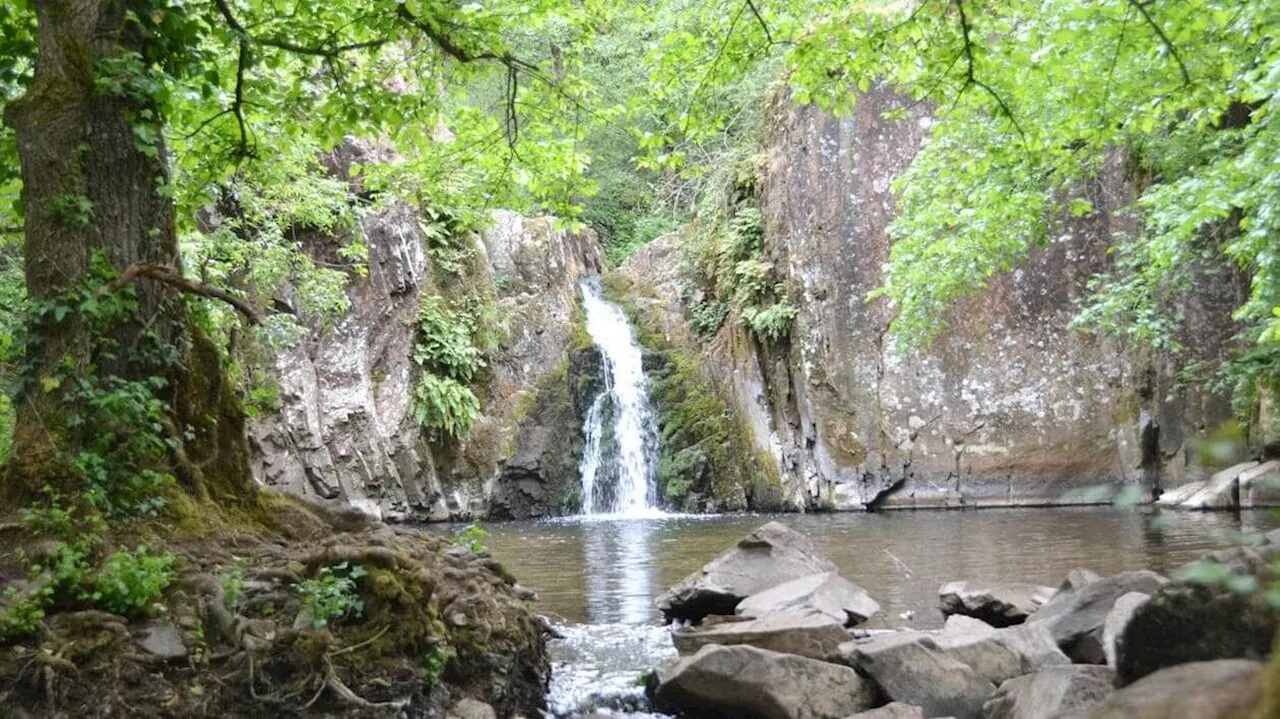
(745, 681)
(770, 555)
(1199, 690)
(892, 710)
(827, 593)
(1078, 578)
(1193, 623)
(1176, 496)
(999, 605)
(1221, 491)
(1117, 619)
(1260, 486)
(1075, 617)
(1002, 654)
(811, 635)
(468, 708)
(1049, 692)
(960, 625)
(910, 668)
(160, 639)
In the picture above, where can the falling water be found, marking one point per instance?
(618, 461)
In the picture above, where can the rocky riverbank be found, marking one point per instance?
(769, 629)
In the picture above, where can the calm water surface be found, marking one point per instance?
(608, 572)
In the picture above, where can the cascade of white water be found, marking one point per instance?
(620, 432)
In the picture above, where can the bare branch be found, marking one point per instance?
(763, 25)
(1141, 8)
(971, 78)
(173, 278)
(322, 51)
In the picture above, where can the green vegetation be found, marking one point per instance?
(333, 594)
(471, 537)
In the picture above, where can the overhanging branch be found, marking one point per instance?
(171, 277)
(1173, 50)
(971, 78)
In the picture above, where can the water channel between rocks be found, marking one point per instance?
(597, 579)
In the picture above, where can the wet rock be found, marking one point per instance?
(745, 681)
(1193, 623)
(1199, 690)
(1117, 619)
(1049, 692)
(1075, 617)
(1002, 654)
(911, 668)
(999, 605)
(811, 635)
(892, 710)
(770, 555)
(160, 639)
(827, 593)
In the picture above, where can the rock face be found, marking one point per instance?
(344, 434)
(1050, 692)
(769, 556)
(1000, 606)
(1010, 406)
(827, 593)
(1200, 690)
(1076, 617)
(749, 682)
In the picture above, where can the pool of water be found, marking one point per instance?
(597, 579)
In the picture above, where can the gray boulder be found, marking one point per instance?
(1199, 690)
(911, 668)
(1000, 605)
(827, 593)
(1003, 654)
(811, 635)
(1075, 617)
(744, 681)
(1260, 486)
(1050, 692)
(1079, 578)
(960, 625)
(770, 555)
(1117, 619)
(892, 710)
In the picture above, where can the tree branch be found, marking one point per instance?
(171, 277)
(763, 25)
(15, 230)
(1141, 8)
(971, 78)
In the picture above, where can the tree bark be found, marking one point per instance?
(90, 189)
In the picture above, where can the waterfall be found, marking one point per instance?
(621, 436)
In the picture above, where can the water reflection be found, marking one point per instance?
(608, 572)
(617, 562)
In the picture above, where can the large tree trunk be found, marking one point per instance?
(90, 190)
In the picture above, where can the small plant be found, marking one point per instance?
(130, 581)
(470, 536)
(708, 316)
(445, 404)
(333, 595)
(232, 580)
(435, 661)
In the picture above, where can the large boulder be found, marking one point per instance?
(1049, 692)
(812, 635)
(1260, 486)
(911, 668)
(1193, 623)
(827, 593)
(1199, 690)
(1002, 654)
(1000, 605)
(770, 555)
(1117, 620)
(1076, 617)
(744, 681)
(1248, 484)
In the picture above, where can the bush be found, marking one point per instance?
(130, 581)
(332, 595)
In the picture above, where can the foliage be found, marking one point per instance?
(445, 404)
(470, 537)
(454, 335)
(435, 661)
(232, 581)
(129, 581)
(333, 594)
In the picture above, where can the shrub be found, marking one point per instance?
(130, 581)
(332, 595)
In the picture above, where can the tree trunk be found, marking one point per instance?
(90, 190)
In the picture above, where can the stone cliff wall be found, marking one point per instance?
(344, 433)
(1011, 406)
